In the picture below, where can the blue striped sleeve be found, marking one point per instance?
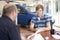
(33, 20)
(48, 19)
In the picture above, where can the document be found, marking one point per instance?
(38, 37)
(56, 36)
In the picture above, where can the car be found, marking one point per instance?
(25, 16)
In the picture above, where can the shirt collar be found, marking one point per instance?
(41, 16)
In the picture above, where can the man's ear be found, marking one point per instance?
(13, 13)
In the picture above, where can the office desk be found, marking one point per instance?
(25, 33)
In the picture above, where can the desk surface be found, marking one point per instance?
(25, 33)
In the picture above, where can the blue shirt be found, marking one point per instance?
(40, 22)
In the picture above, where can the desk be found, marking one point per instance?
(24, 33)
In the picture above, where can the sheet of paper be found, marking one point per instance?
(56, 36)
(39, 30)
(38, 37)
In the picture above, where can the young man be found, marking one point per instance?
(8, 28)
(41, 21)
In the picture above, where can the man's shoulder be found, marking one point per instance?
(47, 16)
(2, 20)
(5, 22)
(34, 17)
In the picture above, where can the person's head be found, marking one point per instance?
(39, 10)
(10, 10)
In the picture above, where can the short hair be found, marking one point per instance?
(39, 6)
(8, 8)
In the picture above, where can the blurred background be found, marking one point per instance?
(51, 7)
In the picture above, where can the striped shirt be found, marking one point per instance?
(40, 22)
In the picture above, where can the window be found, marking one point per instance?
(58, 6)
(21, 10)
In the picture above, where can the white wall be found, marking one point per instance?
(2, 3)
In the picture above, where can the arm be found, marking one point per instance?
(32, 27)
(37, 30)
(48, 26)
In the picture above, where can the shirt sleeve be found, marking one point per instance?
(48, 19)
(33, 20)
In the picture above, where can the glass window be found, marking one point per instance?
(21, 10)
(58, 6)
